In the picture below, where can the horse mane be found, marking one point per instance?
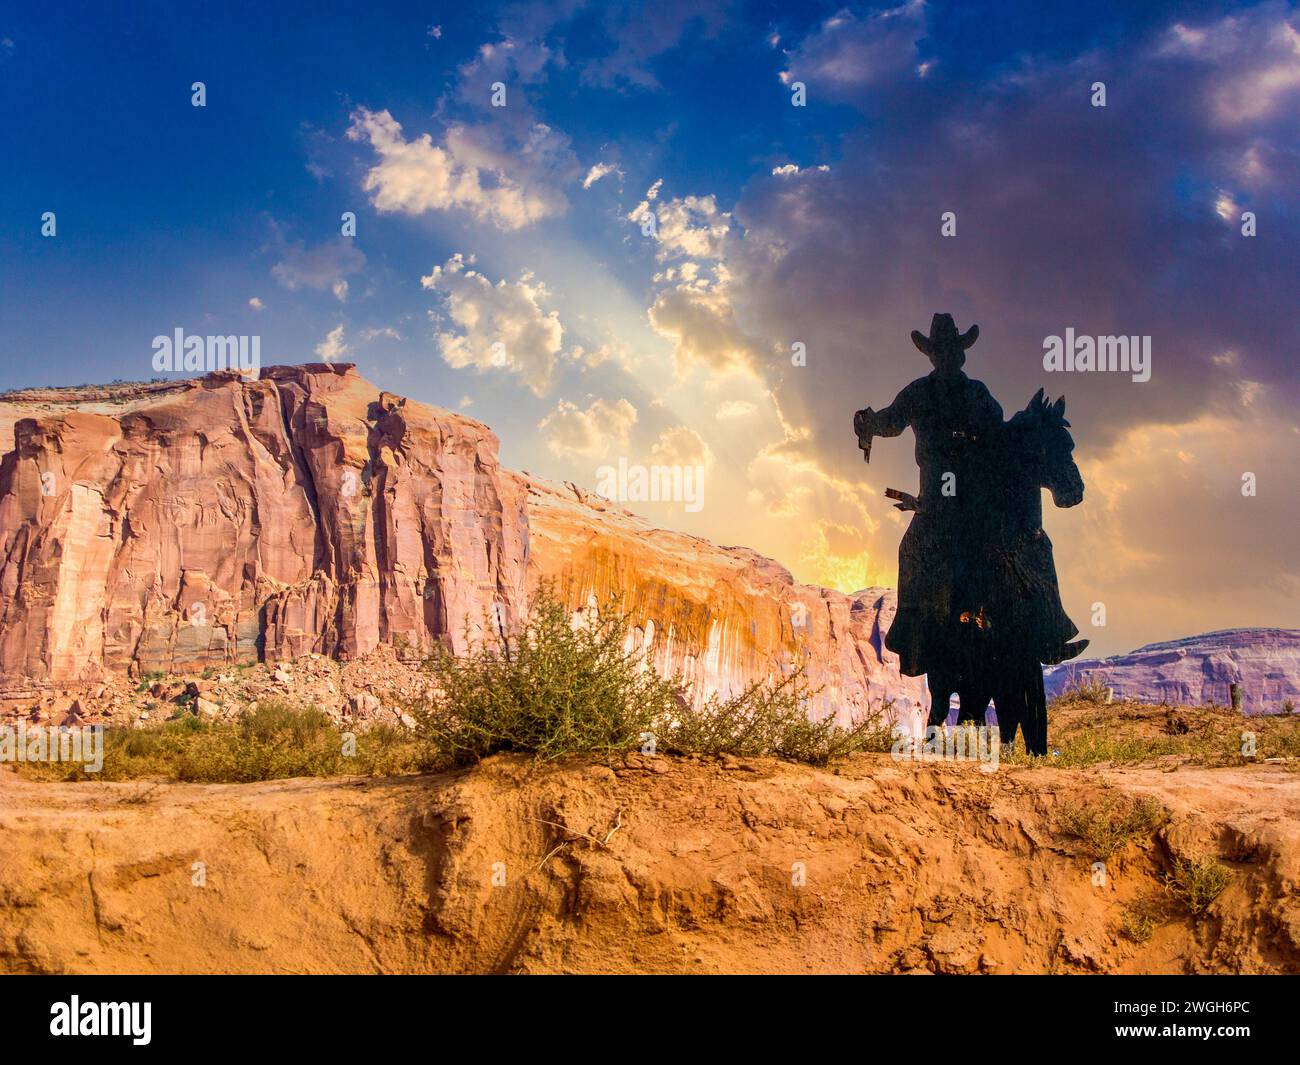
(1043, 411)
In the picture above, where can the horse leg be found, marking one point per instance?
(1026, 701)
(974, 703)
(1036, 706)
(1008, 700)
(941, 688)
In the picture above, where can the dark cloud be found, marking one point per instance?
(1122, 220)
(1068, 215)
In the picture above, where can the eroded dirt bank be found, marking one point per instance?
(672, 866)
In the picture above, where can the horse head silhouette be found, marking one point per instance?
(1039, 436)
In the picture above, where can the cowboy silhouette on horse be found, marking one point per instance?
(979, 609)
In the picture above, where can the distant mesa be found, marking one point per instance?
(1199, 669)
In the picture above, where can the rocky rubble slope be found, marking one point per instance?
(653, 865)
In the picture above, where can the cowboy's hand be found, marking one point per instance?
(864, 423)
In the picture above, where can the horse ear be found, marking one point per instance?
(1058, 408)
(921, 341)
(1037, 401)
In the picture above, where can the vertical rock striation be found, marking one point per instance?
(302, 512)
(722, 617)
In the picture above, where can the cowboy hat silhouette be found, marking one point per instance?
(944, 340)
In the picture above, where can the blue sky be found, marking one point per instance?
(777, 224)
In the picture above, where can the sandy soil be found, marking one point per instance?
(670, 865)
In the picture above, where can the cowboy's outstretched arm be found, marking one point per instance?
(869, 424)
(888, 422)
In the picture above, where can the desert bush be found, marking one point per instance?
(552, 689)
(1109, 826)
(1087, 689)
(147, 679)
(772, 719)
(557, 689)
(1197, 882)
(276, 740)
(1137, 925)
(1140, 920)
(1093, 746)
(1282, 741)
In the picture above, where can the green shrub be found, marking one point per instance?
(1089, 690)
(147, 680)
(1093, 746)
(553, 689)
(1108, 827)
(772, 719)
(1197, 882)
(556, 689)
(1138, 924)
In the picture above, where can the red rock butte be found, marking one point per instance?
(225, 519)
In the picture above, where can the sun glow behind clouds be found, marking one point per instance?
(818, 226)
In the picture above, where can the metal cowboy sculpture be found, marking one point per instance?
(979, 610)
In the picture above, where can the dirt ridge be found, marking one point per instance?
(651, 865)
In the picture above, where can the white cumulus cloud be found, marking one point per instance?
(333, 346)
(508, 188)
(600, 431)
(690, 225)
(496, 326)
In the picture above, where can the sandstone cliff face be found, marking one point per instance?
(305, 511)
(1199, 669)
(227, 519)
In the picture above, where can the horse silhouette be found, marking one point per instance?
(979, 610)
(1012, 620)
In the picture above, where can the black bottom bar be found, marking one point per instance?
(334, 1014)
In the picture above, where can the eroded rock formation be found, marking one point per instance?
(225, 520)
